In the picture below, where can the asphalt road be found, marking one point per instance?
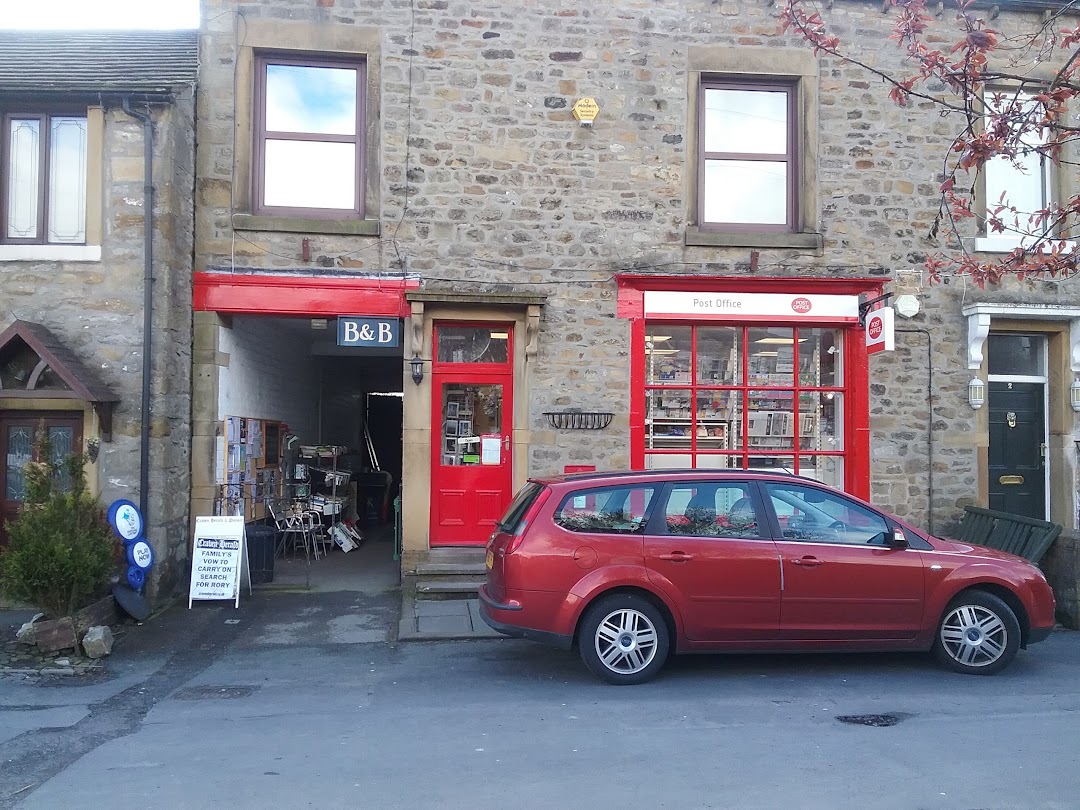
(295, 705)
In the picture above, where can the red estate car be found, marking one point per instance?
(633, 566)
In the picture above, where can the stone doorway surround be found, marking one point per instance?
(1061, 326)
(522, 309)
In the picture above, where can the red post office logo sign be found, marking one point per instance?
(875, 327)
(879, 330)
(801, 305)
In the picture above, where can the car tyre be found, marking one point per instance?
(978, 634)
(624, 639)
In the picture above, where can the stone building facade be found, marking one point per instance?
(72, 268)
(480, 198)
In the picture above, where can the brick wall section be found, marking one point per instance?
(96, 309)
(503, 187)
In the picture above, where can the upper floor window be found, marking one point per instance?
(309, 136)
(746, 170)
(43, 166)
(1024, 182)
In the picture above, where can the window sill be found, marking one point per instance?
(50, 253)
(1005, 244)
(348, 227)
(696, 237)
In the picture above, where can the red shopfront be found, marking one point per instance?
(750, 373)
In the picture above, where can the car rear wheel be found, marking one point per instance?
(978, 635)
(624, 639)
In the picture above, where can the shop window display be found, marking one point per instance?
(733, 397)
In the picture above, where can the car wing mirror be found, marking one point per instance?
(896, 538)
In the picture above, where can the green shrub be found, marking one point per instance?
(60, 552)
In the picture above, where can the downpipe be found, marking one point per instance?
(148, 299)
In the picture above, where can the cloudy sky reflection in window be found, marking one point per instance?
(316, 100)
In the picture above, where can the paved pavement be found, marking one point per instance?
(435, 619)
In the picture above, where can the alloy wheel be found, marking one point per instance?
(974, 636)
(625, 641)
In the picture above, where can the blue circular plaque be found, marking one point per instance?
(126, 520)
(140, 554)
(136, 577)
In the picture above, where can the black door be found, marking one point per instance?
(1016, 453)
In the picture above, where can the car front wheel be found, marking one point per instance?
(978, 635)
(624, 639)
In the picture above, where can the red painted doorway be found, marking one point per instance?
(472, 397)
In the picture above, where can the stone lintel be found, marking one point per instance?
(347, 227)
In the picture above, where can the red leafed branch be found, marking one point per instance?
(982, 82)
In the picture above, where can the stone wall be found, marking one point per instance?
(96, 309)
(485, 180)
(1062, 568)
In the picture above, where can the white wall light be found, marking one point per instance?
(1074, 394)
(976, 393)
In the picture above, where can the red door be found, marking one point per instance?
(471, 429)
(841, 582)
(717, 562)
(16, 449)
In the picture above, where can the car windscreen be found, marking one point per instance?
(515, 512)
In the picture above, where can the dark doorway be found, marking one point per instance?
(17, 429)
(1017, 451)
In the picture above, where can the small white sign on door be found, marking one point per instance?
(218, 558)
(491, 449)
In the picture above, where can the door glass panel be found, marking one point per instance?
(811, 514)
(20, 441)
(472, 344)
(61, 439)
(705, 509)
(1020, 355)
(472, 425)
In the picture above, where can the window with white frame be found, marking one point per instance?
(1024, 182)
(43, 158)
(746, 170)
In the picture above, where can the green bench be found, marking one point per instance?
(1026, 537)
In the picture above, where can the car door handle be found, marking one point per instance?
(677, 556)
(809, 562)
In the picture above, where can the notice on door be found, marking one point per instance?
(218, 559)
(491, 448)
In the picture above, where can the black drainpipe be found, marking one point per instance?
(148, 298)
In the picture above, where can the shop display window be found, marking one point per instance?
(744, 397)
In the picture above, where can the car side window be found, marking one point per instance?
(609, 510)
(814, 515)
(704, 509)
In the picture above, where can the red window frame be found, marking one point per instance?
(743, 387)
(856, 416)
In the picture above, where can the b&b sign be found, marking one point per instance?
(380, 332)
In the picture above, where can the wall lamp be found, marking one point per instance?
(1074, 394)
(417, 365)
(976, 393)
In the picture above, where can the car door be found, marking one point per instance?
(842, 580)
(710, 551)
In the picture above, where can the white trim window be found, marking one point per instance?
(1023, 182)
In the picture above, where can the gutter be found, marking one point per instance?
(148, 299)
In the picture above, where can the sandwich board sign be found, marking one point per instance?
(219, 559)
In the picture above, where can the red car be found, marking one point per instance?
(634, 566)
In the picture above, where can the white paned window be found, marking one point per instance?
(44, 190)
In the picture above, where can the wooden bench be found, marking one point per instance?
(1026, 537)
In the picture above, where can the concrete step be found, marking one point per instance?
(452, 569)
(448, 588)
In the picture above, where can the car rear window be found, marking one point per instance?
(607, 510)
(515, 512)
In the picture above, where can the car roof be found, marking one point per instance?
(613, 476)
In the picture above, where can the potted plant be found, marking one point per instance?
(60, 553)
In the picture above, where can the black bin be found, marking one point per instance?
(260, 545)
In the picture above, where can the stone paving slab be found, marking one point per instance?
(435, 619)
